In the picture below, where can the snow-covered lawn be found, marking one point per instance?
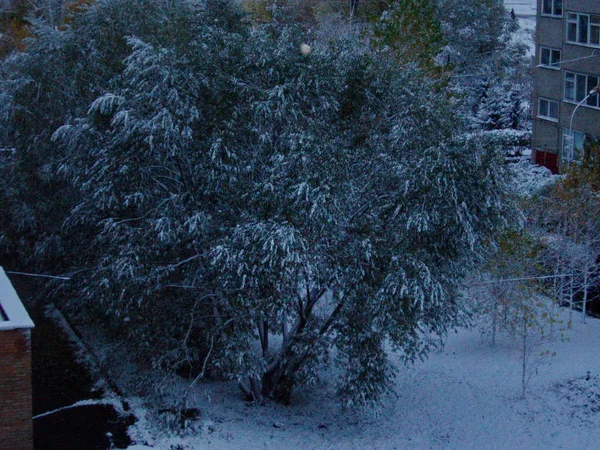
(466, 397)
(521, 7)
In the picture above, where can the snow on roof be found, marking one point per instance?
(14, 315)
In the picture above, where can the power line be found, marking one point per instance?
(37, 275)
(510, 280)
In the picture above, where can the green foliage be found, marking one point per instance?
(412, 32)
(518, 254)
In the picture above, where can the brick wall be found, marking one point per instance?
(16, 427)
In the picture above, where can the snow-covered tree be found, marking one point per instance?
(54, 81)
(473, 31)
(247, 207)
(500, 107)
(489, 67)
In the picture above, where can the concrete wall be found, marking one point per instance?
(585, 6)
(16, 426)
(548, 136)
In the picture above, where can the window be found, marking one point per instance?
(583, 29)
(552, 7)
(548, 109)
(550, 58)
(578, 86)
(570, 153)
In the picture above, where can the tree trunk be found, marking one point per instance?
(278, 385)
(495, 319)
(571, 294)
(279, 379)
(525, 358)
(353, 8)
(585, 295)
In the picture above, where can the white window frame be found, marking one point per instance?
(554, 6)
(578, 85)
(584, 27)
(544, 109)
(578, 145)
(553, 63)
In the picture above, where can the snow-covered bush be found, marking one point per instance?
(529, 179)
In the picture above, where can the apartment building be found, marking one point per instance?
(566, 115)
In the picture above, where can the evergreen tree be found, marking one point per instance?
(499, 108)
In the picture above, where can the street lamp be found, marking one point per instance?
(571, 139)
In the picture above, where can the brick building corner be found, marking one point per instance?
(16, 425)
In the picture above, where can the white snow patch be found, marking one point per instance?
(105, 401)
(529, 179)
(522, 8)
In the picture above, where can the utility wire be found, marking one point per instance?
(510, 280)
(38, 275)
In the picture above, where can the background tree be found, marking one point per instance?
(17, 19)
(474, 32)
(412, 32)
(500, 108)
(570, 212)
(510, 299)
(491, 71)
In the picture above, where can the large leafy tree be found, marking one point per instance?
(248, 207)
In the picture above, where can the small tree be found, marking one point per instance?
(533, 319)
(514, 303)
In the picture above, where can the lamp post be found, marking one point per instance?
(594, 91)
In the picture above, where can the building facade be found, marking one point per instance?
(16, 426)
(567, 70)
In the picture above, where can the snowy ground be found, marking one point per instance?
(522, 7)
(466, 397)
